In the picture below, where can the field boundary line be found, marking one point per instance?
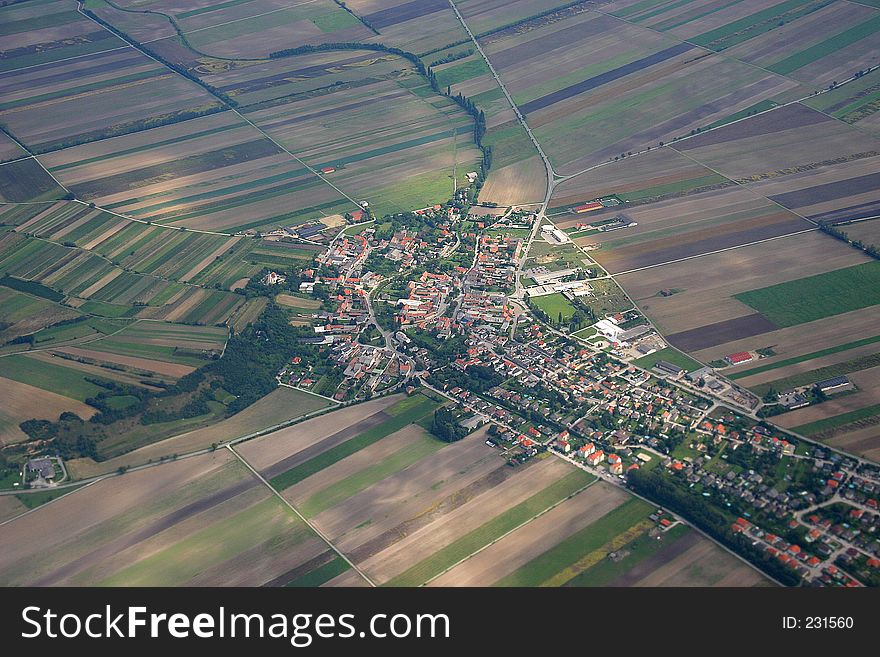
(139, 47)
(301, 516)
(330, 399)
(519, 526)
(60, 497)
(551, 173)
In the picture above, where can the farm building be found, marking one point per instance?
(588, 207)
(833, 384)
(620, 221)
(668, 368)
(739, 357)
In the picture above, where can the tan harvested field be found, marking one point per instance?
(297, 302)
(523, 182)
(867, 232)
(278, 406)
(200, 521)
(773, 143)
(450, 522)
(24, 402)
(10, 507)
(272, 449)
(347, 579)
(95, 504)
(868, 384)
(702, 563)
(532, 539)
(380, 510)
(161, 367)
(687, 226)
(708, 282)
(865, 441)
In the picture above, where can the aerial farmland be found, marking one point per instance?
(447, 293)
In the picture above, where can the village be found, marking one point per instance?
(432, 305)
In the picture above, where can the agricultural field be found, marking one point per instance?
(215, 173)
(241, 29)
(574, 74)
(817, 318)
(829, 177)
(278, 407)
(420, 27)
(23, 402)
(23, 314)
(812, 41)
(25, 181)
(706, 317)
(867, 232)
(419, 140)
(178, 255)
(411, 510)
(67, 80)
(9, 150)
(200, 521)
(687, 226)
(856, 102)
(84, 279)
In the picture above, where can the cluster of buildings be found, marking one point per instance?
(426, 301)
(346, 254)
(494, 268)
(563, 281)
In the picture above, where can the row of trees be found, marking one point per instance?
(830, 229)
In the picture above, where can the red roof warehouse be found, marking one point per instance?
(739, 357)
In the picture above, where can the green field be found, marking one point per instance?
(816, 297)
(416, 408)
(492, 530)
(33, 500)
(555, 305)
(568, 552)
(461, 72)
(673, 188)
(812, 428)
(321, 574)
(828, 46)
(670, 355)
(48, 376)
(258, 525)
(330, 496)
